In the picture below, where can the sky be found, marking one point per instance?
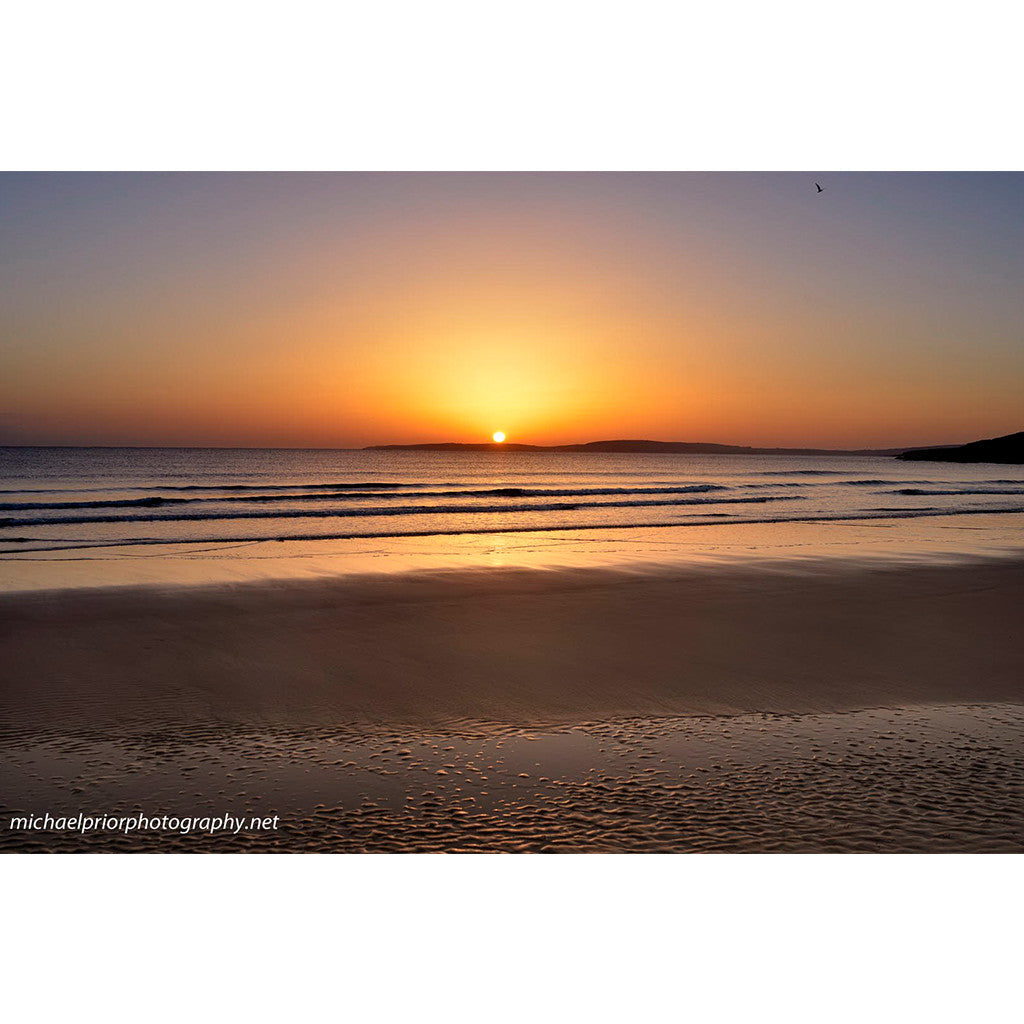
(341, 310)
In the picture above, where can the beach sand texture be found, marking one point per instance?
(841, 705)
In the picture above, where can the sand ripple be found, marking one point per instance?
(928, 779)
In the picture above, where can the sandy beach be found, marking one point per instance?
(516, 646)
(777, 705)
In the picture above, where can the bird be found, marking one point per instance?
(818, 187)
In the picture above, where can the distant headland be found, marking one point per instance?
(631, 447)
(1008, 450)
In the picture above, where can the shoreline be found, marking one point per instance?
(949, 539)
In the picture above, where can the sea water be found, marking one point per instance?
(69, 499)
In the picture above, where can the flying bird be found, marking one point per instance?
(818, 187)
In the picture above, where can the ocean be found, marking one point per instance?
(118, 499)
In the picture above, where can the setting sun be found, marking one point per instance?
(498, 436)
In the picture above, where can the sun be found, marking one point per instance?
(498, 436)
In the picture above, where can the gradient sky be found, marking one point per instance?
(351, 309)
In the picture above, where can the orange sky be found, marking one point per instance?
(343, 310)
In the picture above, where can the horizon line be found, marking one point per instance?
(497, 446)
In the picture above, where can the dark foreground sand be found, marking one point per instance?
(826, 706)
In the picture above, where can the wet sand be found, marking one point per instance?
(819, 705)
(941, 778)
(516, 646)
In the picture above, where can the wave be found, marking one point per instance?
(394, 490)
(799, 472)
(369, 485)
(380, 510)
(908, 483)
(702, 520)
(156, 501)
(775, 484)
(923, 492)
(876, 483)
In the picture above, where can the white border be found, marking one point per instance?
(526, 85)
(377, 938)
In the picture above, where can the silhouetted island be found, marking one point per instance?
(1008, 450)
(629, 446)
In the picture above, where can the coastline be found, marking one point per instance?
(944, 539)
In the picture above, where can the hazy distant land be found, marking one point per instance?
(630, 446)
(1007, 450)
